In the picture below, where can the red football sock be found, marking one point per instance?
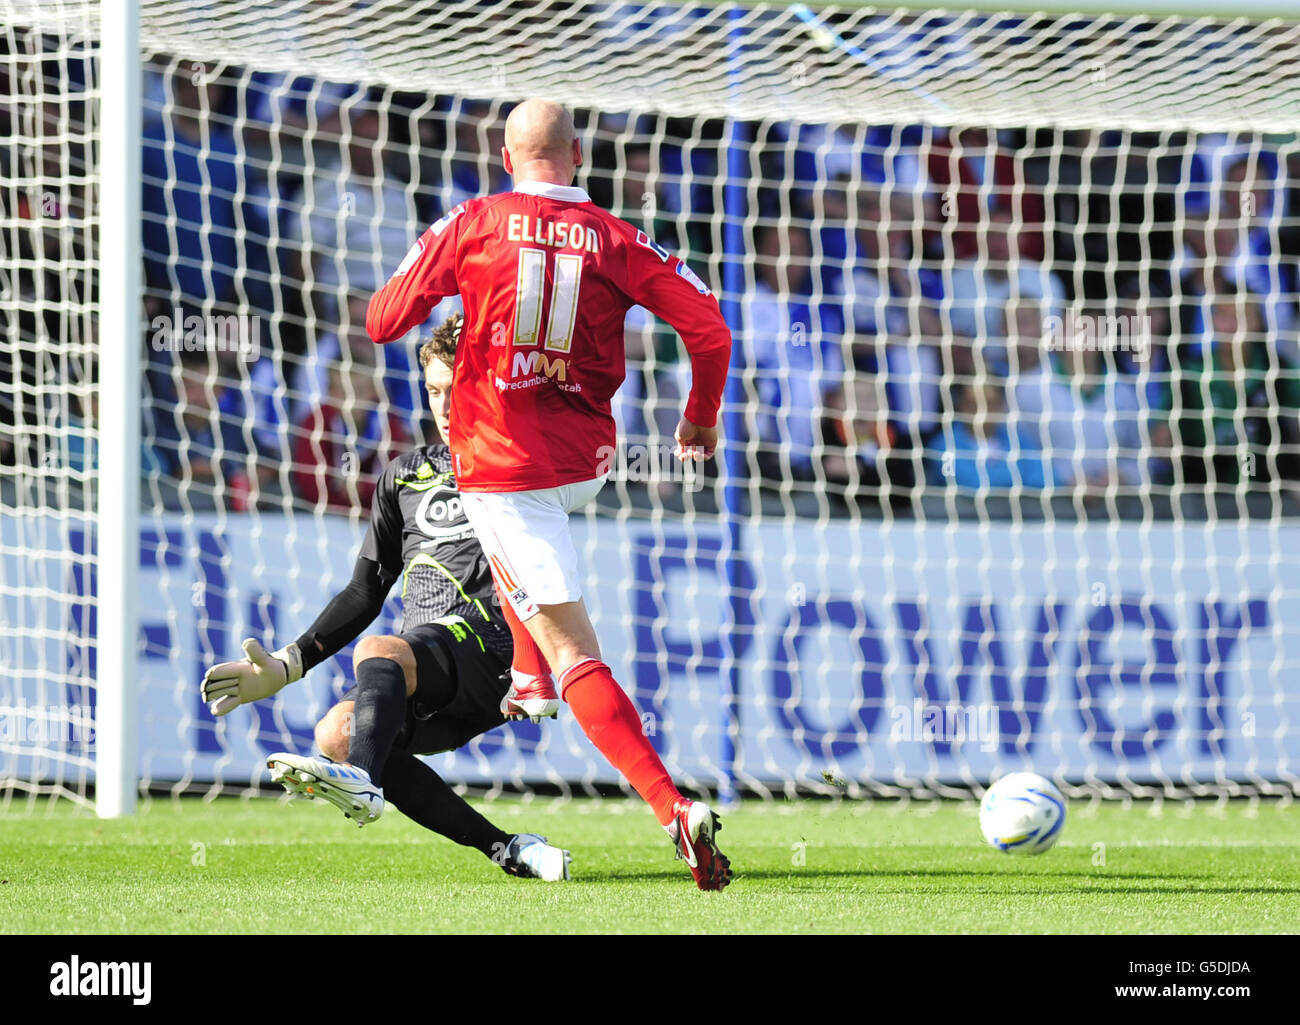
(608, 718)
(528, 660)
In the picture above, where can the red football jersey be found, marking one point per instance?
(546, 278)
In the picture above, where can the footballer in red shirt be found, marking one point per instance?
(546, 279)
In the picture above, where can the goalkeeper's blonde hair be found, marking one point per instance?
(441, 345)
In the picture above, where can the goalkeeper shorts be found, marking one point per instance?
(450, 647)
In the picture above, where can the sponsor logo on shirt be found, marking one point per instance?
(642, 239)
(440, 516)
(446, 219)
(408, 261)
(693, 278)
(528, 364)
(531, 369)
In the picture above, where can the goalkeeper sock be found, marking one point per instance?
(528, 661)
(608, 718)
(422, 796)
(380, 713)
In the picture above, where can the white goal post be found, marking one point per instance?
(1010, 477)
(118, 498)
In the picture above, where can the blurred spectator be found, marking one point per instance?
(1233, 238)
(1113, 201)
(477, 168)
(295, 109)
(1289, 233)
(1236, 418)
(890, 303)
(869, 262)
(80, 437)
(1151, 372)
(47, 279)
(1222, 256)
(852, 154)
(1075, 404)
(356, 222)
(982, 450)
(196, 199)
(309, 379)
(979, 289)
(913, 374)
(1201, 250)
(645, 199)
(342, 445)
(972, 173)
(794, 350)
(654, 391)
(1211, 167)
(861, 438)
(650, 400)
(195, 428)
(454, 150)
(1251, 202)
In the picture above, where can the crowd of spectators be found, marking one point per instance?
(924, 311)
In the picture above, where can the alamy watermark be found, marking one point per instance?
(77, 978)
(1078, 332)
(649, 464)
(238, 333)
(46, 724)
(953, 723)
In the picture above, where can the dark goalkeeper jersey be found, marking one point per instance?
(418, 531)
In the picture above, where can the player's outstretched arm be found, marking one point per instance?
(258, 675)
(423, 279)
(263, 674)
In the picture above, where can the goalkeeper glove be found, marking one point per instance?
(231, 684)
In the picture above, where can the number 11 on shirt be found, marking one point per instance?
(529, 283)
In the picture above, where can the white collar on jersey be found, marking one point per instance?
(567, 193)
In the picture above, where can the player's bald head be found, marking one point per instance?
(539, 128)
(541, 141)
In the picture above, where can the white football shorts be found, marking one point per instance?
(525, 535)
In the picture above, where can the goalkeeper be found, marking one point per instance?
(435, 686)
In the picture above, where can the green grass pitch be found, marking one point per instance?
(240, 866)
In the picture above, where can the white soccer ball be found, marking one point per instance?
(1022, 813)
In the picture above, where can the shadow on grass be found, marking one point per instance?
(971, 874)
(1100, 882)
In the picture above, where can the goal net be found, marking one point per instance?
(1010, 458)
